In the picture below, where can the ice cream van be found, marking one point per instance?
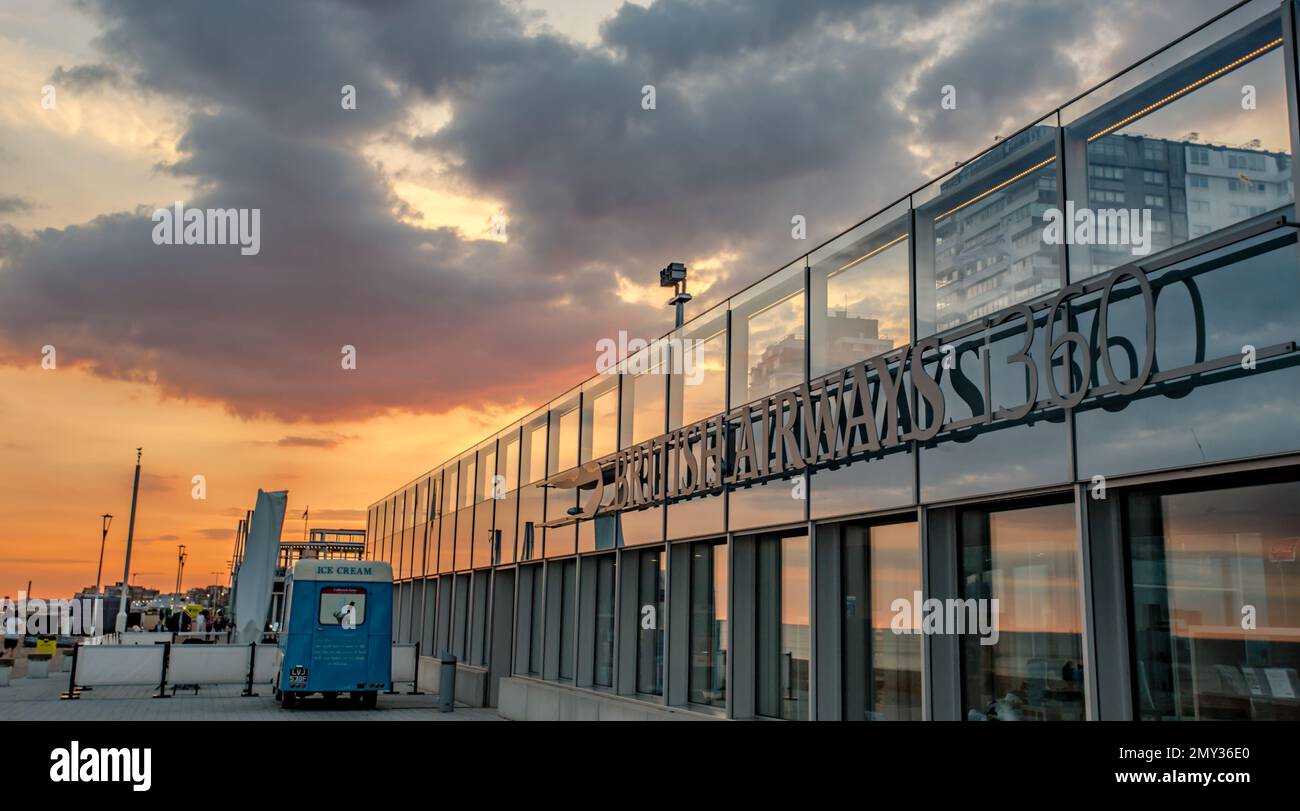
(337, 634)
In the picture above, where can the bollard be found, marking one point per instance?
(447, 683)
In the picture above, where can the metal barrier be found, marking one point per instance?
(137, 663)
(405, 667)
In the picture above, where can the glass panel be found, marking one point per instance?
(640, 526)
(460, 618)
(979, 234)
(1029, 665)
(709, 612)
(767, 336)
(651, 588)
(447, 545)
(767, 504)
(699, 390)
(467, 480)
(882, 668)
(869, 485)
(603, 675)
(510, 460)
(1205, 566)
(535, 627)
(600, 417)
(478, 619)
(531, 503)
(487, 470)
(858, 298)
(783, 642)
(1182, 151)
(696, 517)
(1245, 295)
(568, 604)
(644, 398)
(566, 420)
(486, 548)
(533, 463)
(464, 538)
(342, 605)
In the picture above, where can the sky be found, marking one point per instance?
(381, 226)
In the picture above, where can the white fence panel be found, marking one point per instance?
(266, 664)
(208, 664)
(404, 662)
(104, 665)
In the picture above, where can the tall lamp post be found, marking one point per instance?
(130, 536)
(106, 520)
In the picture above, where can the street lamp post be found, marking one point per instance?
(130, 536)
(106, 520)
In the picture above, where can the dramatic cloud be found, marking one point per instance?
(763, 111)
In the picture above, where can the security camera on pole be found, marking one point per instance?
(130, 536)
(674, 276)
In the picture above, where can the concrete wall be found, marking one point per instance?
(471, 682)
(532, 700)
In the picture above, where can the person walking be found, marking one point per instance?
(12, 626)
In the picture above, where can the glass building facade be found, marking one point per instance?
(1065, 379)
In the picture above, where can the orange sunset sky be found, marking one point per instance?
(378, 224)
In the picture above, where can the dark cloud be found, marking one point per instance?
(86, 77)
(15, 204)
(311, 441)
(763, 111)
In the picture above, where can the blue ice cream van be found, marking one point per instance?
(337, 635)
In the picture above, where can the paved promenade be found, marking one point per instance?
(38, 700)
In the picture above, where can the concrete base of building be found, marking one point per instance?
(523, 699)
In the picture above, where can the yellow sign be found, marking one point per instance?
(193, 610)
(46, 646)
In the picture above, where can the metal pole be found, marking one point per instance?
(130, 536)
(106, 520)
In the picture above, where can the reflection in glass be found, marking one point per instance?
(882, 668)
(651, 585)
(858, 298)
(980, 242)
(460, 618)
(564, 443)
(767, 336)
(700, 389)
(1185, 149)
(568, 605)
(644, 404)
(534, 452)
(600, 417)
(708, 675)
(1198, 560)
(1027, 560)
(535, 625)
(478, 619)
(603, 675)
(784, 650)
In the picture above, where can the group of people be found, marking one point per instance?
(206, 621)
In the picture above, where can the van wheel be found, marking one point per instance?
(369, 700)
(330, 696)
(287, 700)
